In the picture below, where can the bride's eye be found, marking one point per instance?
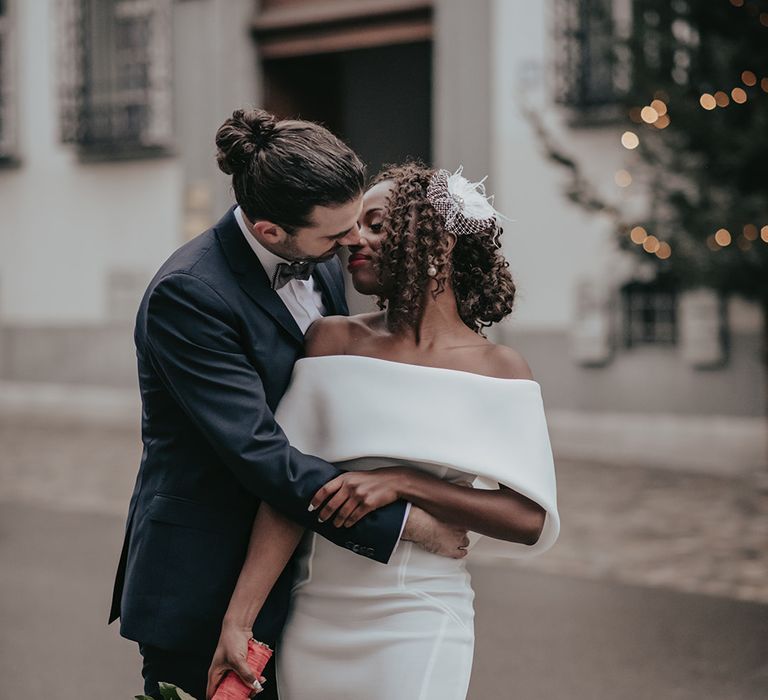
(376, 227)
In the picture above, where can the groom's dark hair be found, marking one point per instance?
(282, 169)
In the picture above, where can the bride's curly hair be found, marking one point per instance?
(415, 238)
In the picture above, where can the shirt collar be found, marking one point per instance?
(269, 261)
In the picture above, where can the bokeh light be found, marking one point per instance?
(651, 244)
(622, 178)
(649, 115)
(739, 95)
(638, 234)
(748, 78)
(630, 140)
(750, 232)
(723, 237)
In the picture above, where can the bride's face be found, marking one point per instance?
(363, 257)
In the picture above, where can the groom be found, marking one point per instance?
(217, 335)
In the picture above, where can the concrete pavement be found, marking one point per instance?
(539, 636)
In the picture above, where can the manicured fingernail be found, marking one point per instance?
(311, 508)
(320, 520)
(257, 685)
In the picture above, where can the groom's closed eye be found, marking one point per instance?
(339, 236)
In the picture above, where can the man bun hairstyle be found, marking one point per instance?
(282, 169)
(240, 137)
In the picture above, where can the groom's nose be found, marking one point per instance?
(352, 238)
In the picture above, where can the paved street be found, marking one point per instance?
(571, 624)
(540, 636)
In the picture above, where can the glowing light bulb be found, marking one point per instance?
(660, 107)
(664, 251)
(721, 99)
(750, 232)
(764, 233)
(662, 122)
(707, 101)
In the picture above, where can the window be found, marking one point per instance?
(115, 76)
(649, 314)
(7, 80)
(586, 73)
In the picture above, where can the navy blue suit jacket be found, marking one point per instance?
(216, 347)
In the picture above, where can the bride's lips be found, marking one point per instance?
(357, 260)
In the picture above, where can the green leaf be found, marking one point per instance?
(172, 692)
(168, 691)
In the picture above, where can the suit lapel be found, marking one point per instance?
(333, 296)
(251, 276)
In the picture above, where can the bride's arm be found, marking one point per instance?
(503, 514)
(273, 541)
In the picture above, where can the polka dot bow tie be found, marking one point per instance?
(292, 271)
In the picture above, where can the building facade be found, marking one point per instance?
(107, 116)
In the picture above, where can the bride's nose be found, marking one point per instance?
(352, 239)
(362, 241)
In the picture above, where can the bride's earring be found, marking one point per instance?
(431, 270)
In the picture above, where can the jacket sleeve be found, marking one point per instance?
(192, 338)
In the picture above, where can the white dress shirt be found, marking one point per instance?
(301, 297)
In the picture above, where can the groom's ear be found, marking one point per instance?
(268, 232)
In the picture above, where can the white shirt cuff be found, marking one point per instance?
(402, 528)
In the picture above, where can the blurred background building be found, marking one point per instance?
(107, 114)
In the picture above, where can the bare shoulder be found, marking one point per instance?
(507, 363)
(335, 335)
(327, 336)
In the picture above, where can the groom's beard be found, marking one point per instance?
(293, 254)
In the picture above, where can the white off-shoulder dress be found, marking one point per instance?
(359, 629)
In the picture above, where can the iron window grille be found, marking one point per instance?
(115, 76)
(591, 66)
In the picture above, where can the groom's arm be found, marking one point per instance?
(192, 337)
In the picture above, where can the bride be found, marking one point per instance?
(415, 404)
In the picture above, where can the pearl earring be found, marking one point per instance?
(431, 270)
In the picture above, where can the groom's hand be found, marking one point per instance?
(434, 535)
(231, 655)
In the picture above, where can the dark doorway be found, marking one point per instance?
(378, 100)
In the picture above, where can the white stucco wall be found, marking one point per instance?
(551, 243)
(65, 224)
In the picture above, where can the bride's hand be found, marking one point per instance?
(230, 655)
(353, 495)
